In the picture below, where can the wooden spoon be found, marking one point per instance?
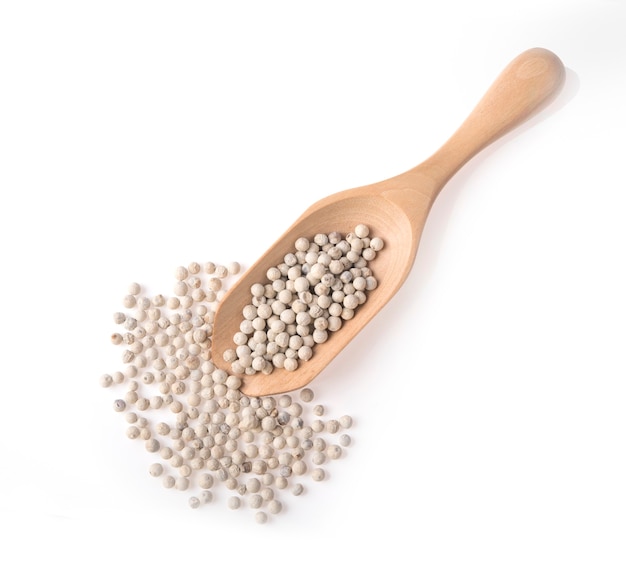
(395, 210)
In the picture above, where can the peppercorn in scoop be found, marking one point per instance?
(309, 295)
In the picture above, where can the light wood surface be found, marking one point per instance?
(396, 210)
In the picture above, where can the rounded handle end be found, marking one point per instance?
(539, 73)
(525, 85)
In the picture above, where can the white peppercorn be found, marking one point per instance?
(318, 474)
(345, 421)
(130, 417)
(274, 506)
(333, 451)
(317, 426)
(295, 409)
(181, 273)
(255, 501)
(279, 442)
(253, 485)
(166, 453)
(132, 432)
(345, 440)
(212, 464)
(319, 444)
(118, 377)
(332, 426)
(205, 481)
(260, 517)
(156, 402)
(152, 445)
(361, 230)
(156, 469)
(318, 458)
(181, 289)
(267, 493)
(221, 271)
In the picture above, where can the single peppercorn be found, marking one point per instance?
(260, 517)
(119, 405)
(234, 502)
(318, 474)
(156, 469)
(345, 440)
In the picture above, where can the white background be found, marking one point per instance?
(489, 396)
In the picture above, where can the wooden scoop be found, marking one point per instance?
(395, 210)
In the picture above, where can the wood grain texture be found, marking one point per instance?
(396, 210)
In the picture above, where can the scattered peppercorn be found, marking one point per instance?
(216, 436)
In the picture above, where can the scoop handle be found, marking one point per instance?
(526, 84)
